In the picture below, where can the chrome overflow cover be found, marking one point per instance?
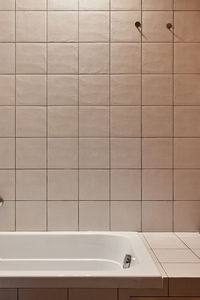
(127, 261)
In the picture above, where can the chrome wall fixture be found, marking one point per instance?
(1, 201)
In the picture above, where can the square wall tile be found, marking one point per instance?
(94, 26)
(154, 27)
(157, 184)
(178, 270)
(175, 256)
(31, 121)
(63, 4)
(187, 90)
(125, 4)
(186, 216)
(31, 58)
(186, 26)
(187, 5)
(63, 185)
(122, 26)
(62, 26)
(7, 89)
(157, 153)
(94, 5)
(125, 121)
(157, 58)
(30, 26)
(31, 216)
(7, 24)
(7, 5)
(94, 153)
(94, 215)
(126, 215)
(157, 121)
(125, 58)
(161, 240)
(31, 153)
(97, 294)
(62, 153)
(31, 4)
(7, 121)
(125, 90)
(62, 58)
(126, 153)
(7, 153)
(187, 184)
(7, 216)
(157, 216)
(93, 90)
(186, 153)
(191, 240)
(63, 90)
(187, 58)
(94, 58)
(31, 185)
(94, 121)
(187, 121)
(157, 4)
(42, 294)
(62, 121)
(31, 90)
(125, 184)
(94, 185)
(157, 89)
(7, 184)
(7, 58)
(62, 216)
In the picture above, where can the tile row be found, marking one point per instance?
(98, 294)
(100, 121)
(32, 58)
(95, 26)
(96, 89)
(94, 153)
(98, 184)
(100, 5)
(94, 215)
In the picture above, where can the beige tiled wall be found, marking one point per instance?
(99, 121)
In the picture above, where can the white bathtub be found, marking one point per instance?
(75, 259)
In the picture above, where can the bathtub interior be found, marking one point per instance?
(74, 254)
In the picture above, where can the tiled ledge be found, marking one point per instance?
(177, 256)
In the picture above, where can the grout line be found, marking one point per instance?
(101, 42)
(141, 116)
(103, 10)
(98, 105)
(78, 117)
(98, 74)
(192, 250)
(173, 122)
(110, 120)
(101, 137)
(101, 201)
(91, 10)
(114, 168)
(47, 117)
(15, 125)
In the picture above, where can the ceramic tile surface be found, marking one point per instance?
(175, 253)
(99, 117)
